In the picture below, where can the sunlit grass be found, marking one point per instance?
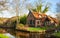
(3, 36)
(40, 28)
(57, 34)
(36, 29)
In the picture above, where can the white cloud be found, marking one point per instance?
(51, 14)
(6, 14)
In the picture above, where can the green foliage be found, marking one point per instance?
(45, 10)
(21, 25)
(57, 34)
(39, 8)
(3, 36)
(34, 10)
(36, 29)
(23, 19)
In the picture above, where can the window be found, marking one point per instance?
(44, 23)
(33, 21)
(30, 21)
(37, 22)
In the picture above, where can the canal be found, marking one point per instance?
(27, 34)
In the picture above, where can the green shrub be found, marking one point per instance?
(23, 19)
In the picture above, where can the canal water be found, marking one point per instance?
(24, 34)
(27, 35)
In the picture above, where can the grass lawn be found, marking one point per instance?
(3, 36)
(39, 28)
(36, 29)
(57, 34)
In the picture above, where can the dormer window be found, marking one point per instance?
(45, 16)
(40, 16)
(52, 21)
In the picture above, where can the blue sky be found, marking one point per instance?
(53, 2)
(23, 9)
(52, 12)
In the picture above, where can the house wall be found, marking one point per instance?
(48, 23)
(30, 17)
(38, 23)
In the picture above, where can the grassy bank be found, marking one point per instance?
(57, 34)
(36, 29)
(3, 36)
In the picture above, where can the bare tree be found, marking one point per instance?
(58, 15)
(17, 9)
(3, 6)
(58, 10)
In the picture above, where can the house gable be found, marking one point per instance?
(30, 19)
(30, 15)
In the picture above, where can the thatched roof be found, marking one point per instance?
(44, 16)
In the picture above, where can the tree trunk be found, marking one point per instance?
(17, 12)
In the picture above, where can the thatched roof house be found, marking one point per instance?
(36, 19)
